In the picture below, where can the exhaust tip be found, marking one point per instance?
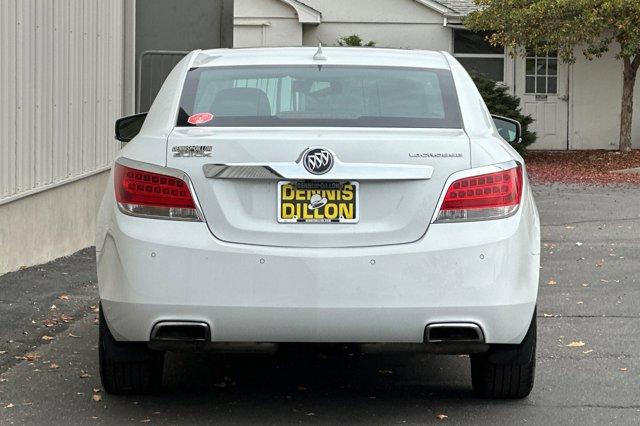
(181, 331)
(453, 333)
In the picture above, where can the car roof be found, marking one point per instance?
(363, 56)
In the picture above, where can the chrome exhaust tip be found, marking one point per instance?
(181, 331)
(453, 332)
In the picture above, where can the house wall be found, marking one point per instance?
(595, 103)
(61, 85)
(273, 23)
(260, 23)
(394, 11)
(403, 36)
(411, 25)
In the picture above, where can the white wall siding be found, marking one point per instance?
(61, 84)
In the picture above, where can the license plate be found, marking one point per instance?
(317, 202)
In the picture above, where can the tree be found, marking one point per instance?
(501, 102)
(354, 40)
(591, 27)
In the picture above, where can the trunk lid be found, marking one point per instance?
(241, 209)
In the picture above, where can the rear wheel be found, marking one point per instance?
(127, 367)
(506, 371)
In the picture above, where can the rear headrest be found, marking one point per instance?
(241, 101)
(403, 98)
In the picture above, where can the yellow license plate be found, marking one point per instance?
(317, 202)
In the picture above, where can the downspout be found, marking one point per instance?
(569, 105)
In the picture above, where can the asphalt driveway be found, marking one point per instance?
(588, 357)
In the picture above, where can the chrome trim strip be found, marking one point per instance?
(154, 168)
(226, 171)
(340, 171)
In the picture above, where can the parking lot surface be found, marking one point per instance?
(588, 368)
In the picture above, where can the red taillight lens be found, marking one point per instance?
(144, 193)
(487, 196)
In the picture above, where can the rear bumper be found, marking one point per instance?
(484, 272)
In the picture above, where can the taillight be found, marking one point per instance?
(487, 196)
(149, 194)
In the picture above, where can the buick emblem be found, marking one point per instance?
(318, 161)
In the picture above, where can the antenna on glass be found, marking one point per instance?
(319, 55)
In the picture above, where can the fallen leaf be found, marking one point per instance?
(3, 352)
(441, 416)
(31, 356)
(587, 352)
(54, 366)
(96, 390)
(84, 374)
(53, 307)
(552, 282)
(599, 263)
(46, 338)
(576, 344)
(578, 243)
(97, 398)
(623, 369)
(9, 405)
(74, 336)
(145, 420)
(66, 318)
(63, 297)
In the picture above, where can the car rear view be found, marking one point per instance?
(337, 195)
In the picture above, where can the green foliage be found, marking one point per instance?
(354, 40)
(501, 102)
(561, 25)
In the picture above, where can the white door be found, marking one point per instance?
(541, 84)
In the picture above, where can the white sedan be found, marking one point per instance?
(318, 195)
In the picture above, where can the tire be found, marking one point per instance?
(506, 371)
(127, 367)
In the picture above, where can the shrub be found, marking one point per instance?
(354, 40)
(501, 102)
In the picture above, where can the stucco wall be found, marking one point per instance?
(409, 36)
(274, 32)
(374, 11)
(595, 104)
(50, 224)
(262, 23)
(273, 23)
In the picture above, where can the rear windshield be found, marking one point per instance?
(319, 96)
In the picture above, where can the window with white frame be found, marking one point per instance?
(541, 73)
(477, 55)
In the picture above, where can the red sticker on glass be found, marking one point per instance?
(200, 118)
